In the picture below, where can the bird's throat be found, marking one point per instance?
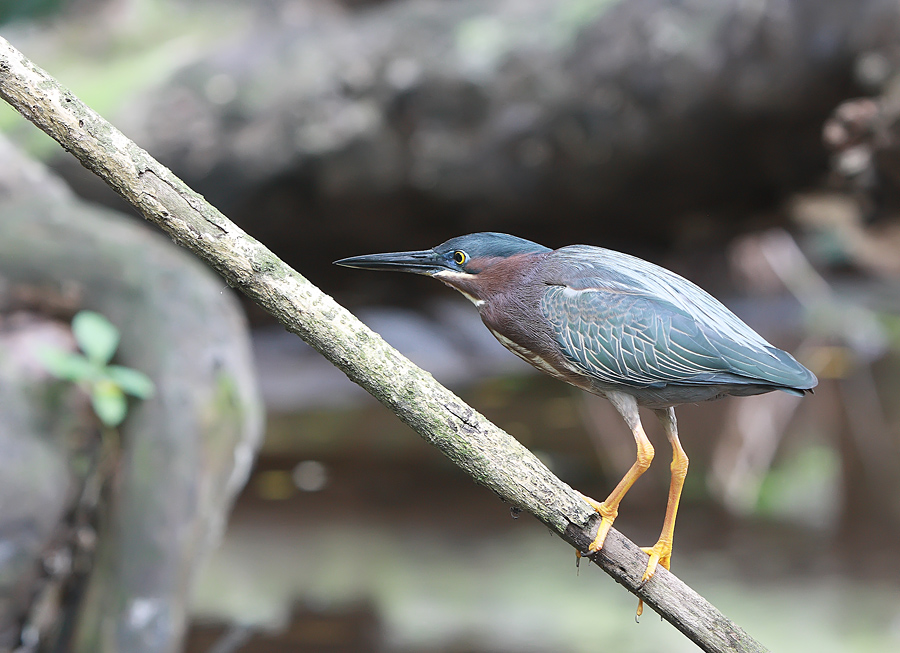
(462, 282)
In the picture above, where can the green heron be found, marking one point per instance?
(613, 325)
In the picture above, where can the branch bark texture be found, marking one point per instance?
(489, 455)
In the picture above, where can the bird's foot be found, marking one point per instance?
(607, 517)
(660, 554)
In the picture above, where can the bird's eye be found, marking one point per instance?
(459, 257)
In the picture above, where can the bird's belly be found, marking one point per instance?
(675, 395)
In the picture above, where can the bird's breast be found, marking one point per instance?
(528, 356)
(516, 321)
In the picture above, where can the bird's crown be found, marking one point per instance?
(490, 244)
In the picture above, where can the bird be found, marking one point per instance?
(613, 325)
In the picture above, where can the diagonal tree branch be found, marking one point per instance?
(485, 452)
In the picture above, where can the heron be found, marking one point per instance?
(613, 325)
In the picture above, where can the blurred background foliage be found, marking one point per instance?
(751, 147)
(12, 11)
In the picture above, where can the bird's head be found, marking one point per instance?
(460, 262)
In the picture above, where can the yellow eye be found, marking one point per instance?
(460, 257)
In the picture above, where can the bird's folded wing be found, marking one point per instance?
(643, 341)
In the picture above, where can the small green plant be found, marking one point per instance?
(107, 385)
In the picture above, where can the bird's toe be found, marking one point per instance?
(607, 517)
(660, 555)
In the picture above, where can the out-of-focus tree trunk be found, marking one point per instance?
(186, 451)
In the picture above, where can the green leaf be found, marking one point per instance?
(132, 382)
(109, 402)
(67, 365)
(97, 336)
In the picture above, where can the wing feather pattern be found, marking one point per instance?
(625, 321)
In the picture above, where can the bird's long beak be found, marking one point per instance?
(425, 261)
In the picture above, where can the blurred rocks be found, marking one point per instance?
(325, 132)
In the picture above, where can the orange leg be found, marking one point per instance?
(661, 552)
(609, 509)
